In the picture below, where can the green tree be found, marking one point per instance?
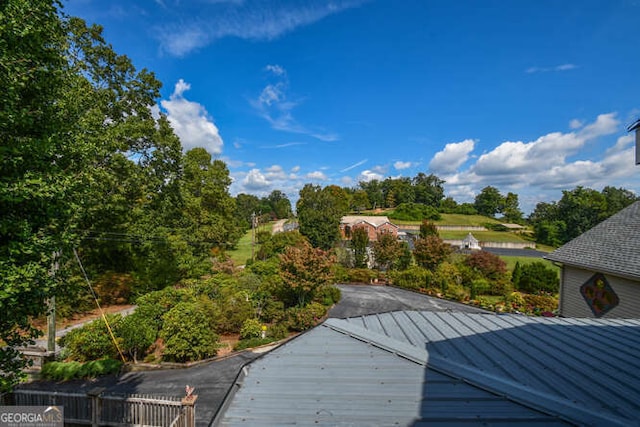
(247, 205)
(209, 209)
(580, 209)
(319, 216)
(537, 277)
(70, 109)
(360, 201)
(374, 192)
(359, 243)
(280, 204)
(510, 208)
(489, 201)
(617, 199)
(429, 189)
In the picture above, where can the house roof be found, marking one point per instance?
(426, 368)
(470, 238)
(376, 221)
(613, 246)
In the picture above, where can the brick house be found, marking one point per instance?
(600, 274)
(373, 224)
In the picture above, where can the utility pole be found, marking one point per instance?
(51, 303)
(253, 234)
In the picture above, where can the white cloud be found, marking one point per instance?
(561, 67)
(191, 122)
(275, 69)
(275, 106)
(316, 176)
(539, 169)
(251, 21)
(575, 124)
(605, 124)
(255, 181)
(452, 156)
(400, 165)
(369, 175)
(295, 169)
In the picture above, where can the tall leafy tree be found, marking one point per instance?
(429, 189)
(319, 216)
(359, 244)
(489, 201)
(280, 204)
(387, 250)
(71, 111)
(431, 251)
(510, 208)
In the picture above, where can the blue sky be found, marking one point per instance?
(532, 97)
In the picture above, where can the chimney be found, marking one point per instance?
(636, 126)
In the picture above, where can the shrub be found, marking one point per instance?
(361, 275)
(273, 311)
(538, 304)
(137, 334)
(413, 278)
(478, 287)
(65, 371)
(187, 334)
(456, 292)
(303, 318)
(491, 266)
(92, 341)
(277, 331)
(251, 328)
(328, 295)
(114, 288)
(446, 275)
(537, 277)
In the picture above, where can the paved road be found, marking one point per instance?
(516, 252)
(212, 380)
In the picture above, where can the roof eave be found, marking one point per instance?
(605, 270)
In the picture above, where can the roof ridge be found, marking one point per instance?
(407, 351)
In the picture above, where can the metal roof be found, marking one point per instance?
(426, 368)
(613, 246)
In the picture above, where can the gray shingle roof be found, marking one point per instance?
(613, 246)
(425, 368)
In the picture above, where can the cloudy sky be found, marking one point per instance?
(528, 96)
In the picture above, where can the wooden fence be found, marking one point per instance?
(98, 409)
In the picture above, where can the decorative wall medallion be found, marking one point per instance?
(599, 295)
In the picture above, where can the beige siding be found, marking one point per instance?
(572, 304)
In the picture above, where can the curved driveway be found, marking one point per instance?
(213, 379)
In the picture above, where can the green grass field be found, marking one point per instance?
(242, 252)
(455, 219)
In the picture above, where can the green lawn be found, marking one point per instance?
(242, 252)
(455, 219)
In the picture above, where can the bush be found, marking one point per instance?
(92, 341)
(65, 371)
(537, 277)
(478, 287)
(328, 295)
(277, 331)
(491, 266)
(414, 278)
(361, 275)
(446, 275)
(187, 334)
(302, 318)
(538, 304)
(456, 292)
(251, 328)
(136, 335)
(273, 311)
